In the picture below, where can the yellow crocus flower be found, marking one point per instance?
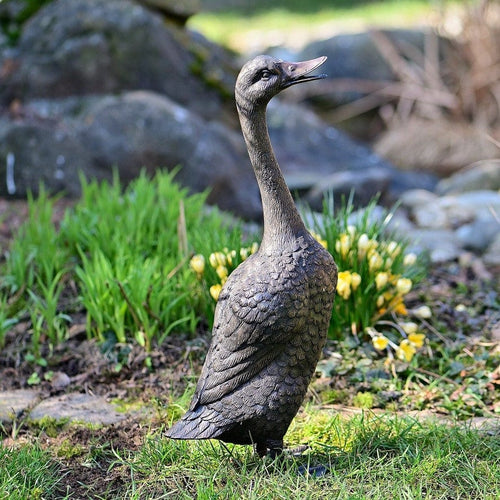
(217, 259)
(423, 312)
(374, 260)
(403, 285)
(197, 264)
(381, 280)
(406, 350)
(355, 281)
(222, 272)
(393, 248)
(344, 284)
(409, 327)
(363, 244)
(416, 339)
(215, 291)
(343, 245)
(409, 259)
(380, 342)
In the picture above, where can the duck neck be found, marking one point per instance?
(281, 218)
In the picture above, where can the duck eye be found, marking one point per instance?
(265, 74)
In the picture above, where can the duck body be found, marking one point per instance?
(269, 330)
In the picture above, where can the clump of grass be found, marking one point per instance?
(28, 472)
(120, 255)
(375, 270)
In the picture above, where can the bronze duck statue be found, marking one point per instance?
(272, 315)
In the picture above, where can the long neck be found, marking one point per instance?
(281, 218)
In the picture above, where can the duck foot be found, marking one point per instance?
(271, 448)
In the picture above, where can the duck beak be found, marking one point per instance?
(298, 72)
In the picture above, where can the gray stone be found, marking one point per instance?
(479, 234)
(40, 152)
(430, 216)
(59, 380)
(365, 185)
(13, 403)
(355, 56)
(483, 203)
(481, 175)
(145, 130)
(415, 197)
(317, 158)
(78, 407)
(492, 255)
(105, 46)
(442, 245)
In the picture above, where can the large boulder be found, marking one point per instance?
(317, 158)
(78, 47)
(54, 140)
(142, 129)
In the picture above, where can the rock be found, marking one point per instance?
(78, 407)
(442, 244)
(481, 175)
(483, 203)
(478, 235)
(142, 129)
(451, 211)
(178, 9)
(56, 139)
(492, 255)
(59, 380)
(416, 197)
(438, 146)
(357, 57)
(365, 185)
(108, 46)
(450, 224)
(13, 403)
(430, 216)
(40, 152)
(316, 158)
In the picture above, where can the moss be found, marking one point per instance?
(67, 449)
(50, 425)
(331, 396)
(365, 400)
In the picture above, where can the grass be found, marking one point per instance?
(363, 456)
(239, 28)
(119, 256)
(27, 472)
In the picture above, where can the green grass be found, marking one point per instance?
(364, 456)
(119, 255)
(27, 472)
(238, 28)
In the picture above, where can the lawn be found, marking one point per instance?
(291, 24)
(361, 456)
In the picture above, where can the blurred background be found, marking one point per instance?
(412, 96)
